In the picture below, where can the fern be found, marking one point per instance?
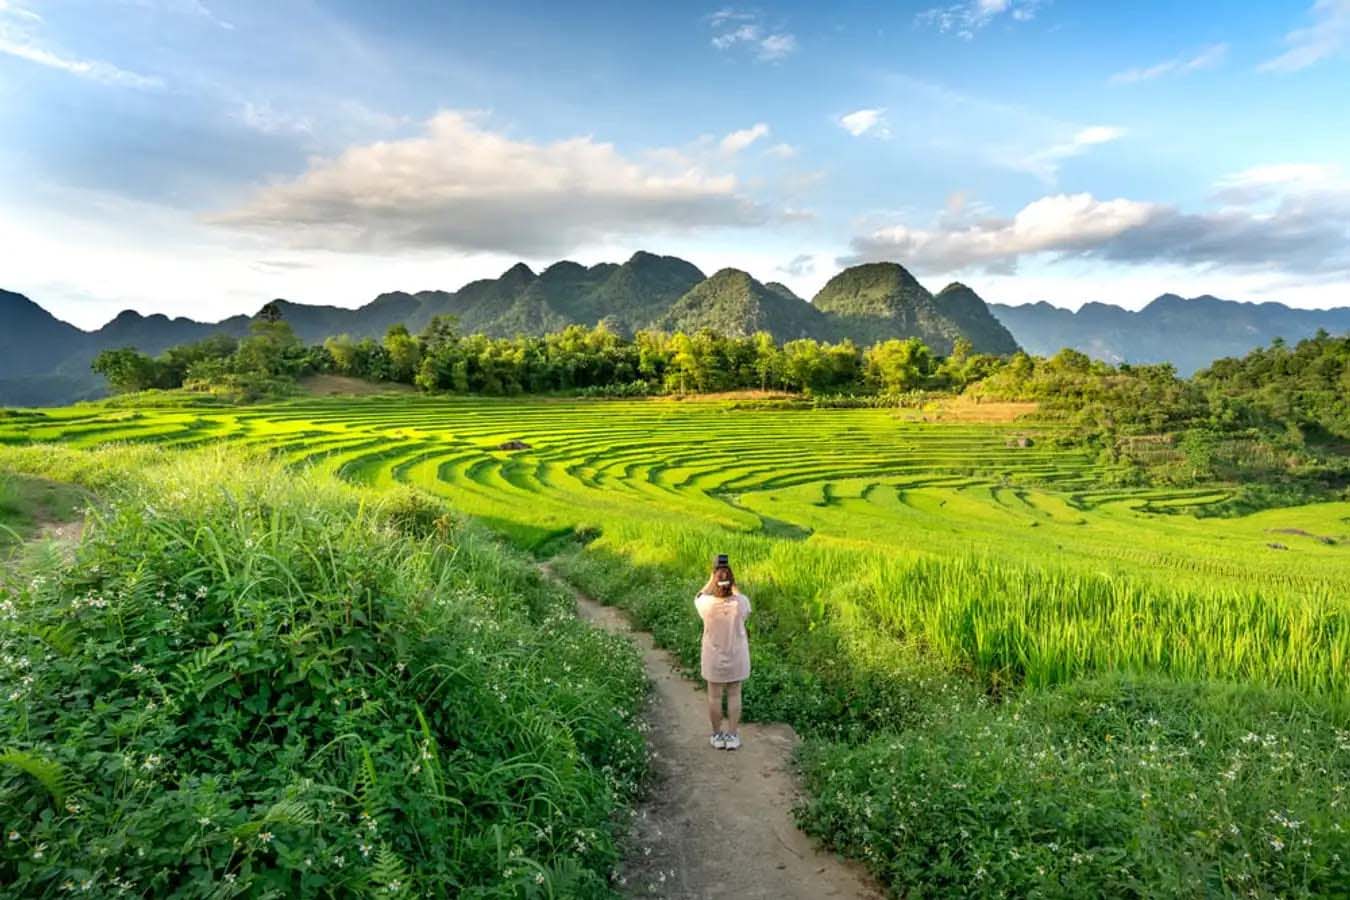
(60, 638)
(389, 876)
(48, 773)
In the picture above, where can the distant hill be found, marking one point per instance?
(733, 303)
(1187, 333)
(46, 361)
(876, 301)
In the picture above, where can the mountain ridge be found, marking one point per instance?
(44, 360)
(48, 360)
(1190, 332)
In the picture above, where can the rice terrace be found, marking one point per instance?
(946, 592)
(583, 451)
(1256, 598)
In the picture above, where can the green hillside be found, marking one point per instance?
(878, 301)
(734, 304)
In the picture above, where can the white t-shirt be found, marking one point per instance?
(726, 647)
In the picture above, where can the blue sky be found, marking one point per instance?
(198, 157)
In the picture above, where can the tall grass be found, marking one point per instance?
(1010, 624)
(256, 683)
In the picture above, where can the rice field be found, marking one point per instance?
(1012, 559)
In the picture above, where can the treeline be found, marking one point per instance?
(576, 359)
(1276, 421)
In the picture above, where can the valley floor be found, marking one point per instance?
(1011, 676)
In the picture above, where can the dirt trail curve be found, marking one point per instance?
(719, 823)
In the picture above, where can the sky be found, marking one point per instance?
(199, 157)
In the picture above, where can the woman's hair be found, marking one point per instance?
(714, 587)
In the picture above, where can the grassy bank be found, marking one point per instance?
(253, 682)
(29, 504)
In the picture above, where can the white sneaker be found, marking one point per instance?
(718, 740)
(731, 742)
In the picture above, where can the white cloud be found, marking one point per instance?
(734, 28)
(1044, 164)
(737, 141)
(1307, 232)
(964, 19)
(461, 187)
(1328, 36)
(1061, 223)
(865, 121)
(777, 46)
(799, 266)
(18, 12)
(1207, 58)
(781, 151)
(264, 118)
(1260, 183)
(94, 70)
(18, 27)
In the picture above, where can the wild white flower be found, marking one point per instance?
(265, 837)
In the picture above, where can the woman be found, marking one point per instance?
(726, 651)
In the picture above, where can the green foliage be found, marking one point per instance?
(270, 684)
(732, 303)
(128, 370)
(1110, 788)
(1307, 387)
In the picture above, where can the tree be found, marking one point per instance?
(768, 360)
(405, 353)
(271, 349)
(683, 372)
(127, 369)
(440, 332)
(343, 350)
(896, 366)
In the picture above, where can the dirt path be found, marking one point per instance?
(719, 823)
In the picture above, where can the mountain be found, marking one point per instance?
(28, 336)
(971, 315)
(626, 297)
(733, 303)
(876, 301)
(46, 361)
(1190, 334)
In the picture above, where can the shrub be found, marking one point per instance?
(252, 682)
